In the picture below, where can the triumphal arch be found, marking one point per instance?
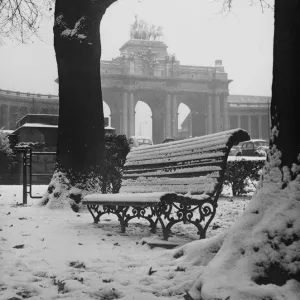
(145, 71)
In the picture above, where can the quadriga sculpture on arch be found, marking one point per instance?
(141, 30)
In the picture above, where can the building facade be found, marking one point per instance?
(251, 113)
(145, 71)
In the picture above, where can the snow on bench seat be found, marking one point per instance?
(137, 199)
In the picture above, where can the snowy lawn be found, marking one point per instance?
(51, 254)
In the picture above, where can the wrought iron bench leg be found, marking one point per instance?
(140, 212)
(170, 213)
(153, 225)
(96, 216)
(167, 213)
(166, 231)
(121, 213)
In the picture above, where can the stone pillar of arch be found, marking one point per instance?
(1, 115)
(249, 125)
(115, 119)
(131, 115)
(157, 126)
(217, 114)
(5, 114)
(174, 116)
(13, 117)
(124, 126)
(198, 123)
(260, 127)
(239, 120)
(225, 112)
(210, 115)
(190, 126)
(168, 118)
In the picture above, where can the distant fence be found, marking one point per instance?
(36, 168)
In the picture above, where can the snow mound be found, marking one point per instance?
(260, 256)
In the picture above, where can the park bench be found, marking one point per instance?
(170, 183)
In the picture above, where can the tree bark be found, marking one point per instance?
(286, 77)
(78, 50)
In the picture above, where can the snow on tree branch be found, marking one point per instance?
(79, 31)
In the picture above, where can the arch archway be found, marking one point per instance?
(107, 112)
(143, 119)
(184, 124)
(197, 119)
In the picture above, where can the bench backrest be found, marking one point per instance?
(194, 165)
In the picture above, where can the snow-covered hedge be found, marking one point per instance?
(117, 148)
(240, 172)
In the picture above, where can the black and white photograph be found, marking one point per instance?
(149, 149)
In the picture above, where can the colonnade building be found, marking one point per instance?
(146, 72)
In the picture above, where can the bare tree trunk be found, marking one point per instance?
(78, 50)
(81, 146)
(286, 77)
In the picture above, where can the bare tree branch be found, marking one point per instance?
(20, 19)
(265, 4)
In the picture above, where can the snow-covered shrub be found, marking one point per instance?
(240, 172)
(68, 190)
(116, 150)
(7, 157)
(35, 146)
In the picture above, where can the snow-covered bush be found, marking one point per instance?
(240, 172)
(62, 192)
(35, 146)
(116, 150)
(7, 157)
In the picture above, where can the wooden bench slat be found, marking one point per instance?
(175, 158)
(197, 170)
(168, 180)
(226, 135)
(171, 152)
(179, 189)
(201, 184)
(178, 165)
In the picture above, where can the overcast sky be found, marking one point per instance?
(195, 30)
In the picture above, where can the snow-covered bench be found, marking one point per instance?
(170, 183)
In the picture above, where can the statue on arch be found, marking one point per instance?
(159, 33)
(141, 30)
(134, 28)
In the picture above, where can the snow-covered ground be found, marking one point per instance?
(52, 254)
